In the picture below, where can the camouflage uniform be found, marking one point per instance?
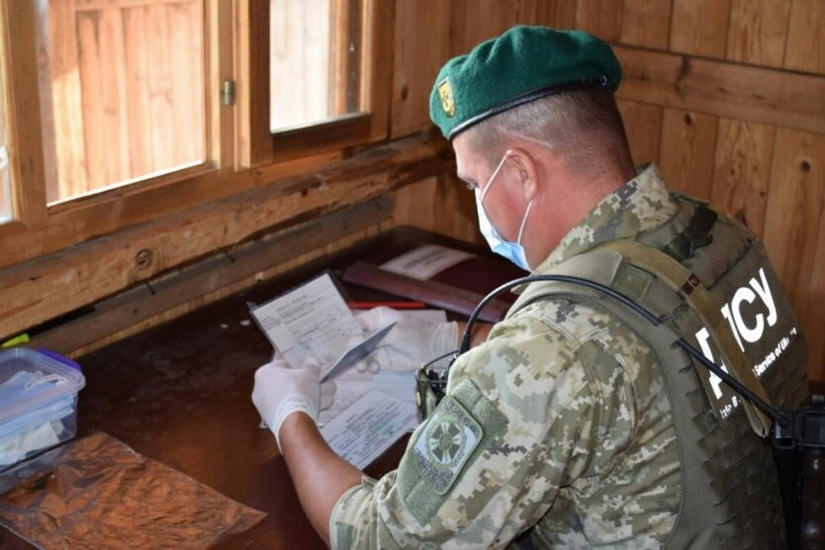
(560, 416)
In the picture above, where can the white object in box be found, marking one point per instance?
(38, 403)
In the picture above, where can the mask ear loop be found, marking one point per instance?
(524, 222)
(493, 177)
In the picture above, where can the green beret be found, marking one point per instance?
(523, 64)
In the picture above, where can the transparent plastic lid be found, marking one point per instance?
(30, 380)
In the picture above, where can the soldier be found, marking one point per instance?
(576, 423)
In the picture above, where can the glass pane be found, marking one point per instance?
(5, 172)
(315, 55)
(121, 91)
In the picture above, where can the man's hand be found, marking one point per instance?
(409, 344)
(280, 391)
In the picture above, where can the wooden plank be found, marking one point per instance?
(794, 213)
(754, 94)
(163, 134)
(421, 48)
(758, 30)
(24, 130)
(97, 5)
(186, 49)
(85, 218)
(474, 21)
(377, 65)
(795, 232)
(815, 316)
(700, 27)
(646, 23)
(560, 14)
(687, 150)
(331, 247)
(251, 72)
(600, 17)
(440, 204)
(45, 18)
(221, 135)
(210, 275)
(643, 126)
(806, 41)
(105, 106)
(36, 291)
(140, 128)
(742, 171)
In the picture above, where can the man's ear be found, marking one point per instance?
(526, 172)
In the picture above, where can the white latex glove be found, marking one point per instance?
(409, 344)
(280, 391)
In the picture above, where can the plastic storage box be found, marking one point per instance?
(38, 403)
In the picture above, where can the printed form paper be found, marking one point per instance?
(425, 261)
(311, 320)
(353, 385)
(369, 427)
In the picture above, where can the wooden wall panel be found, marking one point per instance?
(103, 82)
(758, 30)
(686, 152)
(474, 21)
(418, 58)
(646, 23)
(814, 316)
(60, 101)
(560, 14)
(795, 232)
(736, 91)
(643, 125)
(600, 17)
(742, 171)
(806, 39)
(794, 210)
(700, 27)
(442, 205)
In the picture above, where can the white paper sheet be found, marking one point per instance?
(369, 427)
(353, 385)
(425, 261)
(311, 320)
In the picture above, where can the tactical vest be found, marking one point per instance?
(729, 488)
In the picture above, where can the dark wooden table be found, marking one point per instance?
(180, 393)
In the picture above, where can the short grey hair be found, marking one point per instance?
(583, 127)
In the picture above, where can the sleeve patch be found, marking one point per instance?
(448, 440)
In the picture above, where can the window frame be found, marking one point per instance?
(348, 131)
(241, 153)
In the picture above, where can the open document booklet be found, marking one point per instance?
(364, 409)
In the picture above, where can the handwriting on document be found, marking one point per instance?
(312, 320)
(369, 427)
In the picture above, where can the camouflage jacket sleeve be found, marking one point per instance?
(537, 406)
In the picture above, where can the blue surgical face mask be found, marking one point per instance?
(513, 251)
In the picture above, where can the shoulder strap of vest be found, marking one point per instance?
(601, 265)
(696, 235)
(688, 286)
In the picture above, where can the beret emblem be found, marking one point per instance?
(445, 92)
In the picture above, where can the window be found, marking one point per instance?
(5, 180)
(326, 81)
(119, 112)
(315, 52)
(121, 91)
